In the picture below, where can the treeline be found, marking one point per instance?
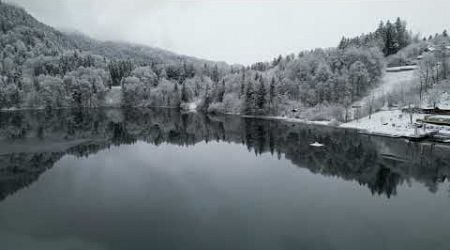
(388, 37)
(43, 68)
(332, 77)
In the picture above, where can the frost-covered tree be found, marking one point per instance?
(434, 97)
(220, 91)
(119, 70)
(186, 95)
(261, 96)
(272, 91)
(359, 77)
(249, 103)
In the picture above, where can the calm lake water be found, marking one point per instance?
(159, 179)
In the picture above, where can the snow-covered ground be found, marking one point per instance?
(394, 123)
(391, 82)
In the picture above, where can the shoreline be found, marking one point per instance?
(408, 133)
(356, 125)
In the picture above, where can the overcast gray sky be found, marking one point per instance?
(235, 31)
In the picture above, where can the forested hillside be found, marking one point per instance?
(44, 68)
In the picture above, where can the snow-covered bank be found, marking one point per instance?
(389, 123)
(395, 123)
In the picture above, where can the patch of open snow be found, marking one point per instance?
(391, 81)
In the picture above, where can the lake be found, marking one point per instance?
(161, 179)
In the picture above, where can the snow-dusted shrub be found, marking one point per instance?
(52, 91)
(406, 54)
(133, 90)
(231, 103)
(434, 95)
(396, 60)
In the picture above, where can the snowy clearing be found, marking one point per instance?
(391, 82)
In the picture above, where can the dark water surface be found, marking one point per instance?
(158, 179)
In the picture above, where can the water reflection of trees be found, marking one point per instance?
(380, 164)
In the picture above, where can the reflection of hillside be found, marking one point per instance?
(19, 170)
(380, 164)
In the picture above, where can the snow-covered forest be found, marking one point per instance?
(44, 68)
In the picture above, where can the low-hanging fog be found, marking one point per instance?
(234, 31)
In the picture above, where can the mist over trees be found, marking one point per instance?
(44, 68)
